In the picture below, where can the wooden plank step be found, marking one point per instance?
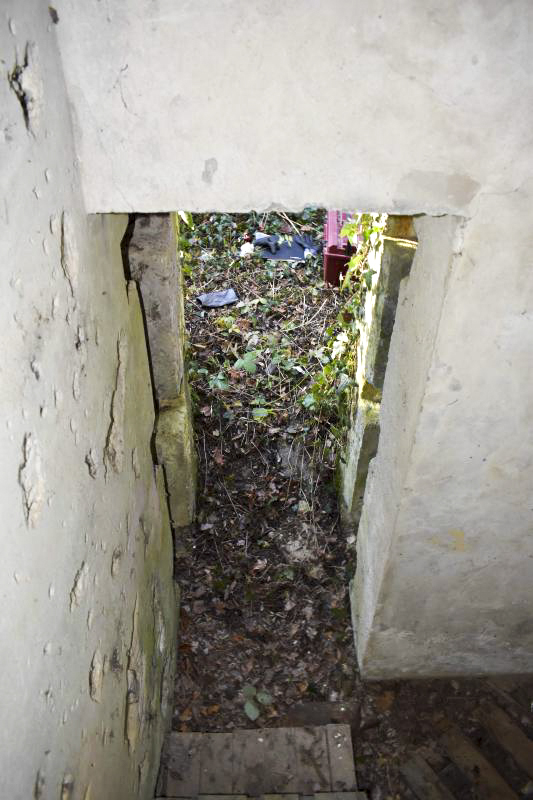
(508, 735)
(312, 773)
(423, 781)
(340, 758)
(268, 761)
(217, 748)
(500, 687)
(476, 767)
(265, 762)
(182, 776)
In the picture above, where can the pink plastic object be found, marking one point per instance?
(337, 250)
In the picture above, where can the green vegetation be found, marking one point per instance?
(288, 347)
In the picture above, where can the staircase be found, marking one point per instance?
(290, 762)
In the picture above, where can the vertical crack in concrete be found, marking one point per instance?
(25, 82)
(114, 449)
(69, 251)
(31, 481)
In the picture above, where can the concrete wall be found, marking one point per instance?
(87, 629)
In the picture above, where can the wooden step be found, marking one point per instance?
(508, 735)
(469, 761)
(288, 761)
(423, 781)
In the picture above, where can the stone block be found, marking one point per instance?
(401, 226)
(380, 307)
(153, 264)
(361, 448)
(174, 441)
(396, 260)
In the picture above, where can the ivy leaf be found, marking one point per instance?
(265, 698)
(339, 344)
(368, 277)
(308, 401)
(251, 710)
(344, 382)
(218, 381)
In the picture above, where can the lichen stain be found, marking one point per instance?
(114, 448)
(31, 481)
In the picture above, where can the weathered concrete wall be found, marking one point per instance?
(154, 264)
(87, 629)
(346, 103)
(445, 551)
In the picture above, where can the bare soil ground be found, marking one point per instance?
(265, 626)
